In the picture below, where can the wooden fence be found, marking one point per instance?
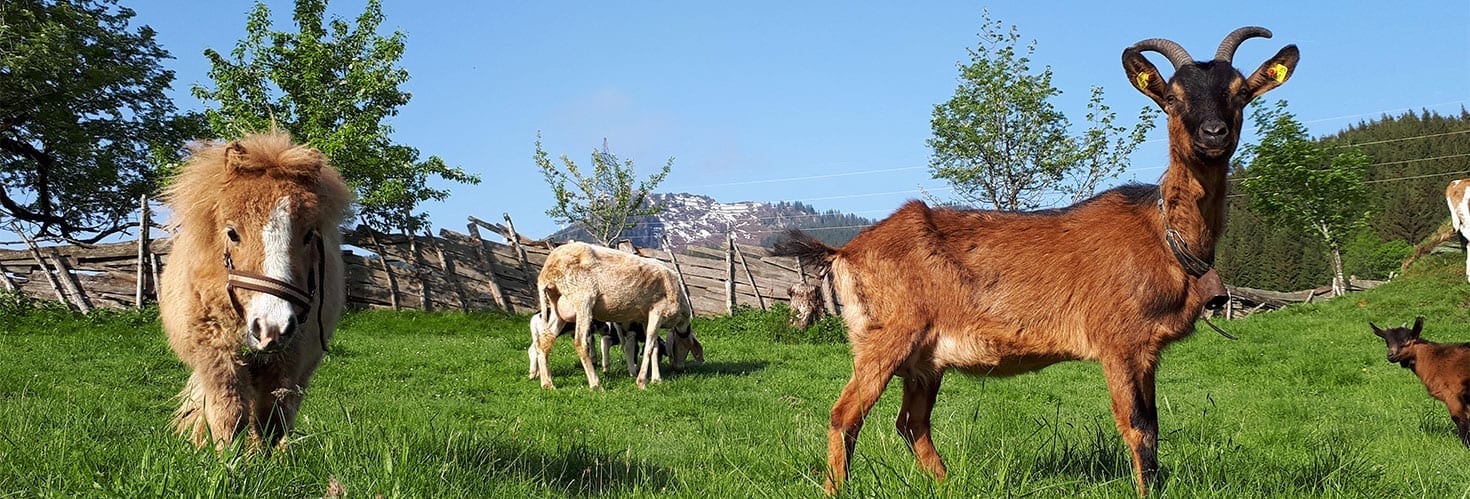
(450, 271)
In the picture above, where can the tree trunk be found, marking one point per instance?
(1339, 285)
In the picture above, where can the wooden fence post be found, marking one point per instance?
(829, 295)
(515, 242)
(753, 288)
(387, 269)
(730, 274)
(144, 224)
(488, 261)
(449, 275)
(9, 284)
(154, 264)
(683, 286)
(40, 262)
(418, 271)
(69, 281)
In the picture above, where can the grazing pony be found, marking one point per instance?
(253, 287)
(1457, 195)
(1114, 278)
(1444, 368)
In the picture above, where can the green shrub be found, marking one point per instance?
(775, 326)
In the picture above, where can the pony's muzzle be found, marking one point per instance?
(271, 326)
(269, 336)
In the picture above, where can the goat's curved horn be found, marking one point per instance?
(1176, 54)
(1232, 41)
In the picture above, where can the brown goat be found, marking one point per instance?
(1113, 279)
(1443, 367)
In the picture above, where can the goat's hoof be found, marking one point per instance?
(642, 385)
(548, 386)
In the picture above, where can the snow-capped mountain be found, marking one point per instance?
(692, 219)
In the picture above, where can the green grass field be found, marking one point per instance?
(438, 405)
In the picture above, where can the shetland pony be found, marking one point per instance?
(253, 287)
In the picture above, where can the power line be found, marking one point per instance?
(1448, 156)
(808, 177)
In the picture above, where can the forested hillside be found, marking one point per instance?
(1415, 155)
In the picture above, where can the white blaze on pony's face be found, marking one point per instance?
(271, 320)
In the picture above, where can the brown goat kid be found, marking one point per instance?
(1112, 279)
(1443, 367)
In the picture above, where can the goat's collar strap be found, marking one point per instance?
(1192, 264)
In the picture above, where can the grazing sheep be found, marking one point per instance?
(610, 334)
(581, 283)
(1444, 368)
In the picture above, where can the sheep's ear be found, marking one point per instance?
(1273, 72)
(1418, 326)
(1376, 330)
(1144, 76)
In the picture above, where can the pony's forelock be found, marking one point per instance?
(213, 167)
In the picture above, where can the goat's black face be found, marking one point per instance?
(1205, 101)
(1399, 339)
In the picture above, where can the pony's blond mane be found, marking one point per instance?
(240, 182)
(194, 194)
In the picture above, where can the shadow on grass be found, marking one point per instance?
(568, 468)
(741, 368)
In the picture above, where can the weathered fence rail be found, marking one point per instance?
(447, 271)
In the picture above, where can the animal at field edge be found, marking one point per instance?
(1444, 368)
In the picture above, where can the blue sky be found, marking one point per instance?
(823, 102)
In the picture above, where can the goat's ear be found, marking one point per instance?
(1418, 326)
(1376, 330)
(1144, 76)
(1273, 72)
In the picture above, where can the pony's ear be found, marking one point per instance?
(318, 160)
(235, 154)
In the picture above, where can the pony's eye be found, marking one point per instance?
(234, 236)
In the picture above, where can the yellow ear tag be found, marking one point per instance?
(1142, 80)
(1278, 72)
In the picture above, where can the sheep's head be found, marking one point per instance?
(1399, 339)
(685, 343)
(1205, 100)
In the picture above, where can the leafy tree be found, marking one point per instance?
(84, 122)
(332, 85)
(1000, 142)
(604, 203)
(1298, 182)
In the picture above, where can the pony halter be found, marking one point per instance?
(302, 299)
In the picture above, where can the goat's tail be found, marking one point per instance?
(811, 252)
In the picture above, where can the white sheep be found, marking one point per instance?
(581, 283)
